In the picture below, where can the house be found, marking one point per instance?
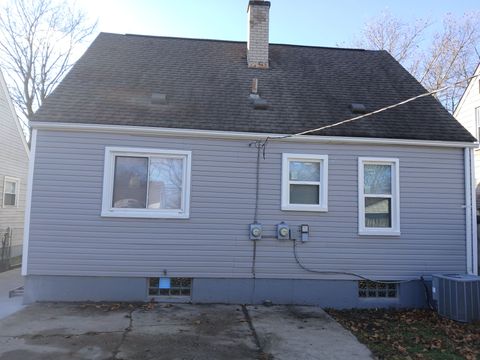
(162, 168)
(14, 154)
(467, 113)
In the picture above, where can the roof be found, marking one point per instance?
(207, 84)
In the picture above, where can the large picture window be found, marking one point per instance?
(146, 183)
(304, 182)
(378, 190)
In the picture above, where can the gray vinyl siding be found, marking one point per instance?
(13, 163)
(69, 237)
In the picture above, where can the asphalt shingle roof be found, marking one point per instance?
(208, 84)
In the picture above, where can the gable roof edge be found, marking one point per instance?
(14, 113)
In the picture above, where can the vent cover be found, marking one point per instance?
(159, 99)
(457, 296)
(358, 108)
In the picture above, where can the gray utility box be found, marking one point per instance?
(457, 296)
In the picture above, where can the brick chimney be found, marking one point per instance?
(257, 45)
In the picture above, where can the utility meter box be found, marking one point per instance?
(283, 231)
(457, 296)
(256, 231)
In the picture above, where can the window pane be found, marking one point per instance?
(130, 182)
(304, 171)
(10, 187)
(9, 200)
(378, 212)
(378, 179)
(165, 183)
(304, 194)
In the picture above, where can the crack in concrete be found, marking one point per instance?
(262, 355)
(124, 336)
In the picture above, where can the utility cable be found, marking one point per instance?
(260, 146)
(327, 272)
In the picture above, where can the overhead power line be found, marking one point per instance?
(428, 93)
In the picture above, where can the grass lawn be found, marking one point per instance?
(411, 334)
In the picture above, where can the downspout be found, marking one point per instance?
(470, 213)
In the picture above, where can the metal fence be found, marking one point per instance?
(10, 248)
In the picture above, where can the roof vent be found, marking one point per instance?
(260, 104)
(159, 99)
(358, 108)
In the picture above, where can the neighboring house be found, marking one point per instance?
(13, 181)
(144, 180)
(467, 113)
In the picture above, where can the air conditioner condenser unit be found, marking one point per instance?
(457, 296)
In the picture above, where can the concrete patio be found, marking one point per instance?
(174, 331)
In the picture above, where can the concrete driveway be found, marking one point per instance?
(174, 331)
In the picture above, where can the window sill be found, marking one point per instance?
(379, 233)
(145, 214)
(314, 208)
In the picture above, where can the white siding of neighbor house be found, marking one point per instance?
(465, 114)
(13, 163)
(69, 237)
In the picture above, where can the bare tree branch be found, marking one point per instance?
(39, 41)
(451, 55)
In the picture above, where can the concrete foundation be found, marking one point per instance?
(340, 294)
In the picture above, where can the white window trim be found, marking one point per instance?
(17, 191)
(395, 229)
(323, 191)
(108, 178)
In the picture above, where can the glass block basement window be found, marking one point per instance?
(165, 286)
(370, 289)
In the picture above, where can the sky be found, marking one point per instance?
(302, 22)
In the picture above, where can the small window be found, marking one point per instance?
(11, 189)
(378, 188)
(165, 286)
(371, 289)
(146, 183)
(305, 182)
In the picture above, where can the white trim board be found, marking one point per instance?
(28, 204)
(156, 131)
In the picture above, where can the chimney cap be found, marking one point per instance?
(258, 2)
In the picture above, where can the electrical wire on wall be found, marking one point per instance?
(260, 146)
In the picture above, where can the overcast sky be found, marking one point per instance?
(308, 22)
